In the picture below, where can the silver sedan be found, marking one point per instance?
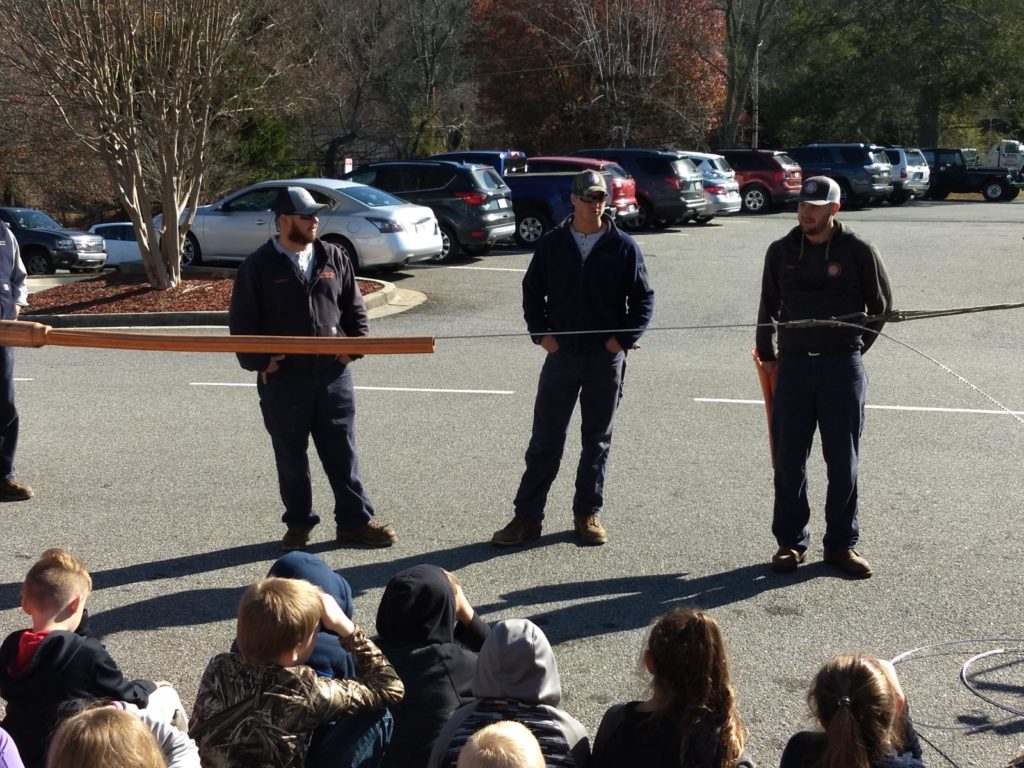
(374, 228)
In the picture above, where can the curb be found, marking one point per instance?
(157, 319)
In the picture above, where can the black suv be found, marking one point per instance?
(862, 171)
(472, 204)
(669, 188)
(45, 245)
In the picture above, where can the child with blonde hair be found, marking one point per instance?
(104, 738)
(691, 718)
(506, 744)
(859, 703)
(261, 705)
(56, 660)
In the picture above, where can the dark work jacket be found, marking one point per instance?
(627, 736)
(65, 666)
(609, 290)
(434, 655)
(805, 749)
(271, 298)
(851, 281)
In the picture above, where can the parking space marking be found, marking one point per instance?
(373, 389)
(17, 379)
(921, 408)
(477, 269)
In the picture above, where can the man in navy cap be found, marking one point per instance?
(587, 300)
(821, 269)
(297, 285)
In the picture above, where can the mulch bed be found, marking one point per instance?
(117, 293)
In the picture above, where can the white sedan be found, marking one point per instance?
(121, 243)
(375, 229)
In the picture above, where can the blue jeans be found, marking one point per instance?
(594, 378)
(826, 391)
(356, 741)
(321, 403)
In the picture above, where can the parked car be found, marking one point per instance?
(721, 191)
(46, 246)
(768, 178)
(119, 238)
(623, 197)
(952, 172)
(504, 161)
(669, 188)
(472, 204)
(910, 174)
(542, 200)
(862, 171)
(374, 229)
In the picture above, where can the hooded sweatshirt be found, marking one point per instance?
(516, 679)
(434, 655)
(65, 666)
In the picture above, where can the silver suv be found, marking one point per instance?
(910, 174)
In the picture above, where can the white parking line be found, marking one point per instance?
(922, 408)
(477, 269)
(373, 389)
(17, 379)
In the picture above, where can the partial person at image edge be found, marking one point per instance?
(13, 296)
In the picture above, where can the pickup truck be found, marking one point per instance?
(46, 246)
(952, 172)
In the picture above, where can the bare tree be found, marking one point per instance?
(144, 84)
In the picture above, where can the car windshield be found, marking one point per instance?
(684, 167)
(617, 171)
(785, 159)
(35, 220)
(488, 178)
(914, 157)
(371, 196)
(720, 164)
(878, 158)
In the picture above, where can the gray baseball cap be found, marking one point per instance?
(588, 182)
(819, 190)
(296, 200)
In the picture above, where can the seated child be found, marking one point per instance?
(516, 679)
(860, 705)
(104, 737)
(54, 661)
(505, 744)
(691, 718)
(259, 707)
(432, 635)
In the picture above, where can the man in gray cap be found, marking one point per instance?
(587, 300)
(821, 269)
(297, 285)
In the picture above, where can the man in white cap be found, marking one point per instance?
(297, 285)
(586, 300)
(819, 270)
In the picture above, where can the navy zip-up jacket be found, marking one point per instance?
(608, 291)
(803, 285)
(271, 298)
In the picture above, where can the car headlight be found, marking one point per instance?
(65, 244)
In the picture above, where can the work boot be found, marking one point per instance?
(787, 559)
(295, 539)
(518, 531)
(589, 530)
(373, 534)
(849, 561)
(12, 490)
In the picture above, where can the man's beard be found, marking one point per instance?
(297, 234)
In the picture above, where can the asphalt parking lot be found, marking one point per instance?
(155, 469)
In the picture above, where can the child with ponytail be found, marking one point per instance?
(860, 705)
(690, 719)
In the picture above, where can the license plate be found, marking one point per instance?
(502, 202)
(917, 175)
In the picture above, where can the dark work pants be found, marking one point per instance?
(826, 391)
(320, 403)
(595, 378)
(8, 414)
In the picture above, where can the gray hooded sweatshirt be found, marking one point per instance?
(516, 679)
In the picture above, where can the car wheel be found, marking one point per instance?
(37, 262)
(477, 250)
(756, 199)
(846, 197)
(530, 225)
(664, 223)
(346, 248)
(449, 245)
(644, 217)
(191, 253)
(994, 191)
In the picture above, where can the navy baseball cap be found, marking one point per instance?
(587, 183)
(819, 190)
(296, 200)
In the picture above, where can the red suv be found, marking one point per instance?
(768, 178)
(623, 185)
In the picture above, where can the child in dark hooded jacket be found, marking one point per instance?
(431, 634)
(516, 679)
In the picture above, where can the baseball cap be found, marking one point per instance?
(296, 200)
(588, 182)
(819, 190)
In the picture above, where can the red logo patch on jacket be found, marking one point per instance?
(328, 275)
(833, 269)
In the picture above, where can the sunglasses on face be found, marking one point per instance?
(594, 197)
